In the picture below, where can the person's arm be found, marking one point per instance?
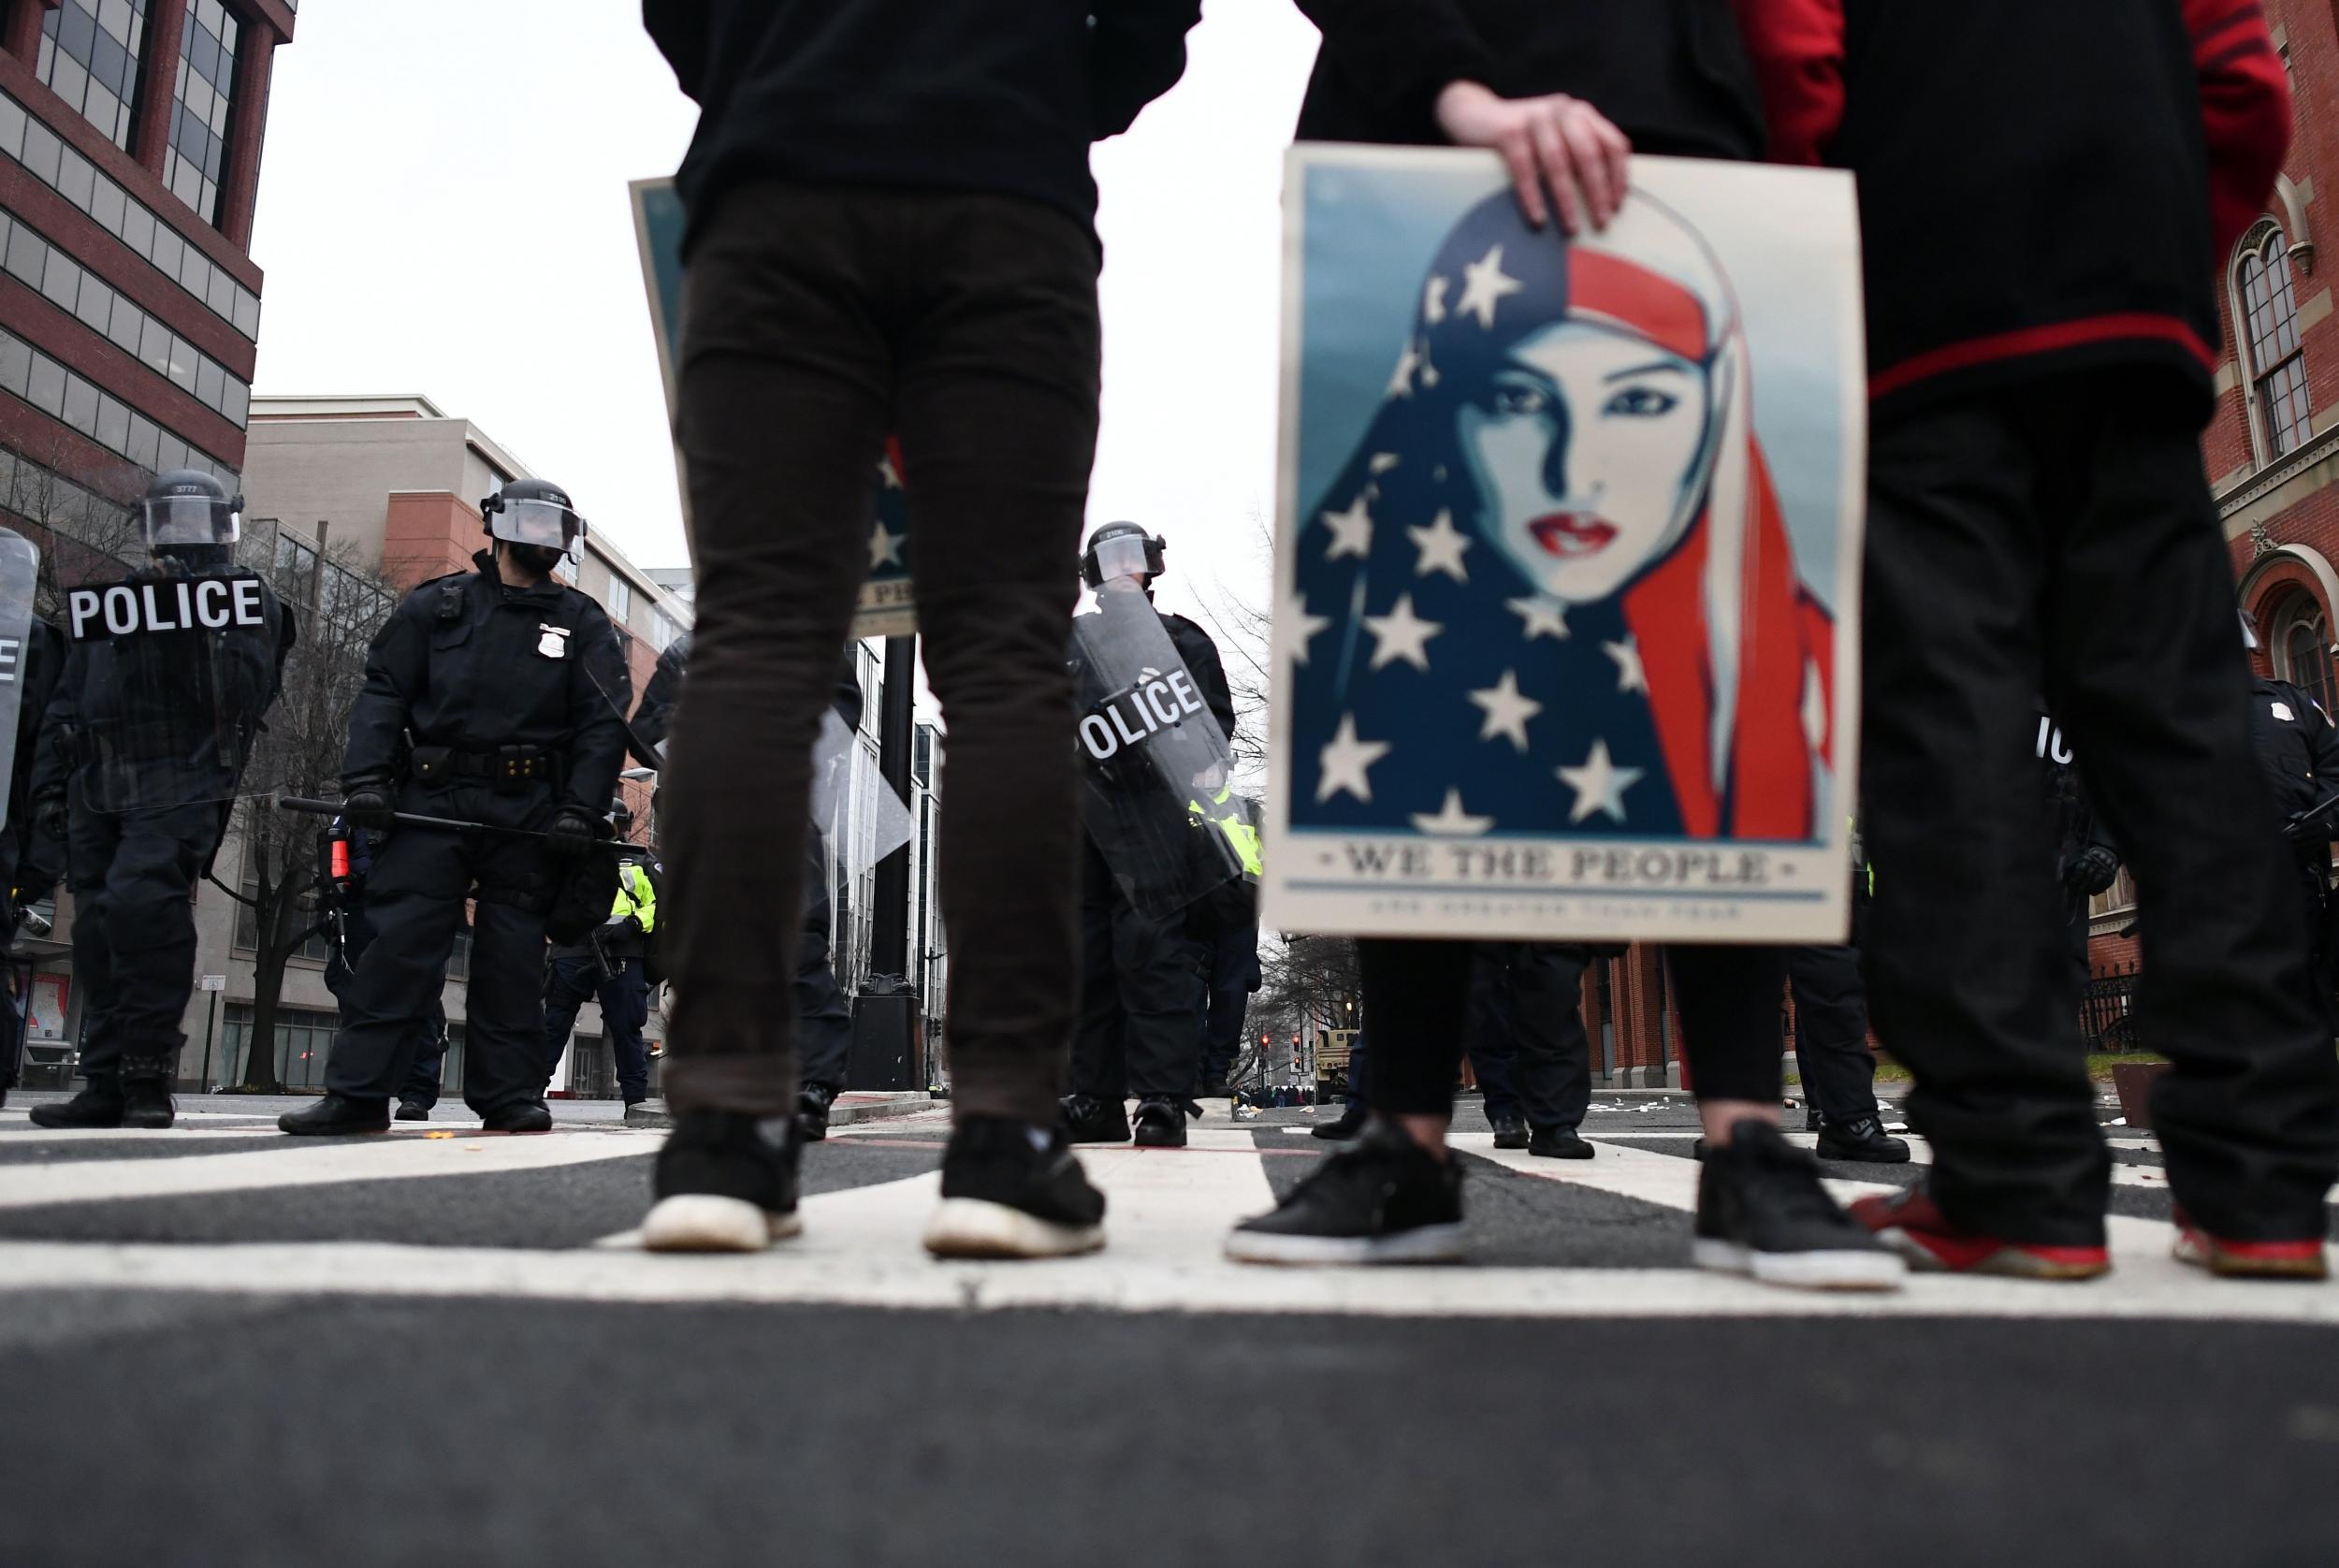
(678, 28)
(2244, 109)
(1420, 59)
(599, 689)
(397, 667)
(1797, 47)
(655, 715)
(1210, 678)
(1136, 53)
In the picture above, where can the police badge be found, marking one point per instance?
(553, 641)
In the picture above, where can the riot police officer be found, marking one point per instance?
(32, 656)
(492, 696)
(2085, 861)
(1140, 1023)
(345, 861)
(2298, 748)
(168, 674)
(610, 964)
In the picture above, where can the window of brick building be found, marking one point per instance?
(196, 165)
(89, 57)
(2270, 326)
(2302, 649)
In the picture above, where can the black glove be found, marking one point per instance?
(2310, 830)
(367, 807)
(2092, 870)
(571, 836)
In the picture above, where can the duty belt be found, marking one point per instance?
(509, 768)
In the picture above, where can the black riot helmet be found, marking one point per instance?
(1123, 550)
(187, 511)
(535, 515)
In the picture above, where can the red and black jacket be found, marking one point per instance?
(2045, 185)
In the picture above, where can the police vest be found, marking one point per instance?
(1223, 813)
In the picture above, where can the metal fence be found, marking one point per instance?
(2107, 1010)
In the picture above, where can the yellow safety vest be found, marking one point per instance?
(1224, 814)
(635, 896)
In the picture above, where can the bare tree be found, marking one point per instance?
(1241, 624)
(85, 532)
(1310, 985)
(340, 604)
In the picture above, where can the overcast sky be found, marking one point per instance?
(443, 210)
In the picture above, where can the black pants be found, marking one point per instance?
(1416, 994)
(1831, 1031)
(624, 999)
(2060, 538)
(823, 1017)
(1229, 972)
(422, 1079)
(821, 320)
(414, 897)
(134, 926)
(1141, 1027)
(1526, 1033)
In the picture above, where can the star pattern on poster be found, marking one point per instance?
(1599, 785)
(1347, 763)
(1402, 634)
(1441, 547)
(1305, 627)
(885, 547)
(1352, 531)
(1629, 676)
(1485, 285)
(1544, 618)
(1451, 820)
(1507, 710)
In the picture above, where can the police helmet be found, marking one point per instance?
(534, 511)
(1123, 550)
(186, 508)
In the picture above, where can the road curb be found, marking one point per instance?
(851, 1106)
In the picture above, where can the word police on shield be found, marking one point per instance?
(125, 609)
(1129, 716)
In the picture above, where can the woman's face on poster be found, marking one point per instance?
(1581, 445)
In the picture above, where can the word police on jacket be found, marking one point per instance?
(202, 603)
(1126, 718)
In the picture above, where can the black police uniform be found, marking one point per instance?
(1528, 1047)
(1140, 1029)
(2298, 746)
(507, 696)
(347, 901)
(151, 728)
(2079, 833)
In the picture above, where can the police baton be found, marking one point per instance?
(2321, 808)
(441, 824)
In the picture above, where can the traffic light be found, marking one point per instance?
(1295, 1053)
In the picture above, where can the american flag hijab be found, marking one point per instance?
(1465, 671)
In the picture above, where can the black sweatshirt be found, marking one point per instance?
(991, 95)
(1673, 75)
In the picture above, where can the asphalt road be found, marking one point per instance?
(221, 1346)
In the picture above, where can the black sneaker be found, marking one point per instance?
(1862, 1139)
(336, 1116)
(812, 1104)
(726, 1182)
(1351, 1123)
(1086, 1119)
(1382, 1200)
(1762, 1211)
(1014, 1190)
(413, 1110)
(1559, 1143)
(1160, 1122)
(98, 1106)
(1509, 1132)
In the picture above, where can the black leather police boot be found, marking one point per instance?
(98, 1106)
(1862, 1139)
(1509, 1132)
(1559, 1143)
(1160, 1122)
(812, 1103)
(413, 1110)
(1086, 1119)
(146, 1100)
(336, 1116)
(518, 1116)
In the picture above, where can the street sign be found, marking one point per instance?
(886, 608)
(214, 982)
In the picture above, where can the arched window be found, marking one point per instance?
(2302, 648)
(2270, 327)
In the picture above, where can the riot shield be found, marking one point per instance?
(20, 570)
(1154, 759)
(171, 675)
(860, 819)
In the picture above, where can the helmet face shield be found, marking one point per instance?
(170, 522)
(545, 523)
(1123, 556)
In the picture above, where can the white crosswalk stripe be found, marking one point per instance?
(1169, 1213)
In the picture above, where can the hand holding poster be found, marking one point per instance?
(1567, 618)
